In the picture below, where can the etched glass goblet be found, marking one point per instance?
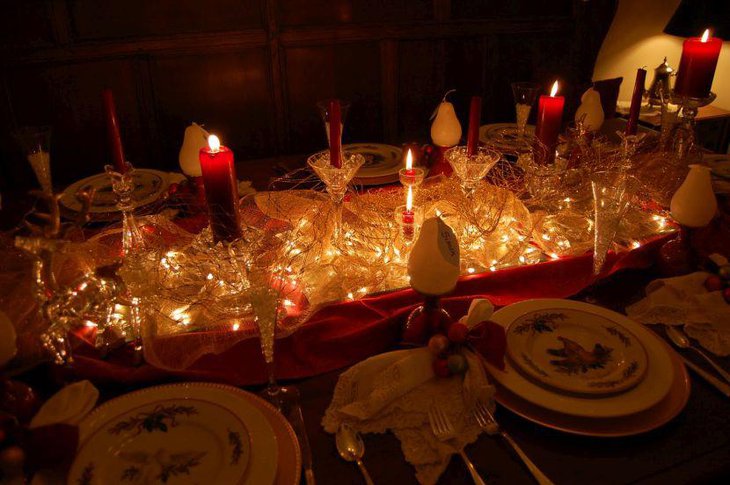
(36, 144)
(323, 107)
(525, 94)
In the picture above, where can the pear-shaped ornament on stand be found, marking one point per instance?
(433, 267)
(445, 133)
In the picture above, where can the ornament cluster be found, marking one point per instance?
(448, 351)
(719, 280)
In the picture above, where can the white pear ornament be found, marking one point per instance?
(433, 264)
(445, 129)
(195, 138)
(590, 110)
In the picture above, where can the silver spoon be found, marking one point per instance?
(351, 448)
(682, 341)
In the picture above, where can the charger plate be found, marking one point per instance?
(650, 391)
(187, 433)
(576, 351)
(641, 422)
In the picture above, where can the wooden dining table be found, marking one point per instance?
(692, 448)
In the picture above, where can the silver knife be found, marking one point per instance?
(721, 386)
(297, 421)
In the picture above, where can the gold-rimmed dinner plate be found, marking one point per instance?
(186, 433)
(650, 391)
(576, 351)
(644, 421)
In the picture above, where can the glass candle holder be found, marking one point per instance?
(409, 222)
(411, 177)
(471, 169)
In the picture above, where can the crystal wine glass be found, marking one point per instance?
(36, 143)
(525, 94)
(336, 179)
(323, 107)
(612, 193)
(471, 168)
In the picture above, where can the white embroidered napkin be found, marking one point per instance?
(683, 300)
(395, 390)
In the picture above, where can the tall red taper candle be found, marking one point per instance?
(221, 190)
(697, 66)
(335, 134)
(631, 125)
(112, 130)
(475, 116)
(549, 119)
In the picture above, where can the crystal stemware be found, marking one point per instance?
(525, 94)
(470, 169)
(36, 142)
(612, 193)
(336, 179)
(323, 107)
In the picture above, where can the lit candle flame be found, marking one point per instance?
(214, 143)
(409, 199)
(554, 90)
(409, 160)
(706, 35)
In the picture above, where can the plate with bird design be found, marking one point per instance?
(177, 434)
(576, 351)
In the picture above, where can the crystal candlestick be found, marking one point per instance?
(684, 141)
(336, 180)
(471, 169)
(409, 221)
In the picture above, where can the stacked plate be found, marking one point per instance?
(187, 433)
(587, 370)
(382, 163)
(504, 137)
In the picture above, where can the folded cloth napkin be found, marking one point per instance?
(684, 300)
(394, 392)
(68, 406)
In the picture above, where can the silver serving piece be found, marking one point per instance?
(662, 83)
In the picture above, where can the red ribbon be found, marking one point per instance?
(489, 340)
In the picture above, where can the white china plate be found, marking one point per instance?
(719, 164)
(652, 389)
(177, 434)
(576, 351)
(503, 137)
(149, 186)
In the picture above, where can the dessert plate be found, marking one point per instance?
(576, 351)
(190, 433)
(652, 389)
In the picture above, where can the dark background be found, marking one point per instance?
(252, 70)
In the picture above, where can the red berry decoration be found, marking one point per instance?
(441, 367)
(457, 364)
(18, 399)
(438, 344)
(458, 332)
(726, 295)
(714, 283)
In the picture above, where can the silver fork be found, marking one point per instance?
(485, 420)
(443, 430)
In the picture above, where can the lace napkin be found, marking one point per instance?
(683, 300)
(395, 390)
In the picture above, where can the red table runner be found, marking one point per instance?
(341, 334)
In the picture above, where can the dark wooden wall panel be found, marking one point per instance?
(252, 70)
(229, 92)
(321, 72)
(95, 19)
(307, 12)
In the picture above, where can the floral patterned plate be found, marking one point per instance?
(184, 434)
(576, 351)
(382, 163)
(660, 373)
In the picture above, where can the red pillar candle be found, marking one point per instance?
(335, 134)
(221, 191)
(475, 116)
(112, 130)
(549, 120)
(697, 66)
(631, 125)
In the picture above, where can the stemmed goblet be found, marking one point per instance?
(324, 106)
(525, 94)
(36, 142)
